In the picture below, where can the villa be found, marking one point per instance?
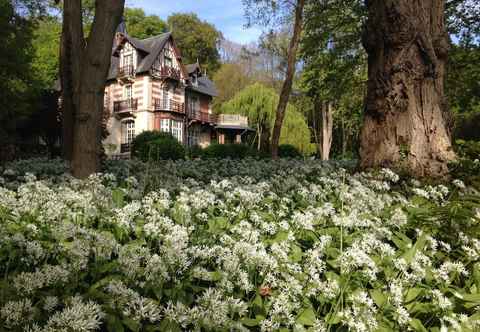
(149, 88)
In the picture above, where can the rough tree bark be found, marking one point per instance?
(85, 65)
(405, 121)
(287, 84)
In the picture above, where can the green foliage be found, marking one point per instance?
(165, 148)
(142, 26)
(288, 151)
(463, 79)
(196, 39)
(230, 79)
(467, 167)
(223, 245)
(46, 44)
(155, 146)
(16, 74)
(232, 151)
(194, 151)
(259, 104)
(468, 149)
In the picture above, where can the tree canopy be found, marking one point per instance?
(259, 103)
(140, 25)
(196, 39)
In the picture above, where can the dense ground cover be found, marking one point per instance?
(236, 246)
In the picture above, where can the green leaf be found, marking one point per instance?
(168, 325)
(412, 294)
(132, 325)
(296, 253)
(307, 317)
(419, 245)
(378, 297)
(118, 196)
(250, 322)
(417, 325)
(114, 324)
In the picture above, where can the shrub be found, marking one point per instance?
(195, 151)
(139, 148)
(233, 151)
(155, 145)
(468, 149)
(289, 151)
(166, 148)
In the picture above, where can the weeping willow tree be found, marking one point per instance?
(259, 103)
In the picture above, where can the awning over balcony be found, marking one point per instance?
(233, 127)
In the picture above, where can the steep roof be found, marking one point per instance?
(192, 68)
(205, 86)
(150, 47)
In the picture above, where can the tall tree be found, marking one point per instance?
(84, 69)
(334, 71)
(259, 103)
(230, 79)
(265, 11)
(405, 123)
(16, 74)
(197, 40)
(140, 25)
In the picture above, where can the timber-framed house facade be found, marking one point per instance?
(149, 88)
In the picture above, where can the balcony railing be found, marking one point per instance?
(202, 116)
(167, 72)
(127, 105)
(233, 120)
(169, 105)
(126, 71)
(125, 148)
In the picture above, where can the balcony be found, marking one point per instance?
(126, 72)
(234, 120)
(203, 117)
(167, 72)
(168, 105)
(125, 106)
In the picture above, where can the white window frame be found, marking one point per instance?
(128, 92)
(165, 125)
(177, 130)
(128, 131)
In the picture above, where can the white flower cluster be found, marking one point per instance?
(270, 246)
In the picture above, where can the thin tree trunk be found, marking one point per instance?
(405, 116)
(287, 84)
(327, 130)
(89, 63)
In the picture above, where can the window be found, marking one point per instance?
(128, 131)
(173, 127)
(194, 136)
(168, 61)
(128, 60)
(177, 130)
(127, 92)
(165, 125)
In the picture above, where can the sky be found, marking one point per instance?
(226, 15)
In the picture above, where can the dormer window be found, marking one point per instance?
(168, 61)
(194, 80)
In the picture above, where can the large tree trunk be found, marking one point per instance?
(287, 85)
(66, 104)
(405, 115)
(89, 62)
